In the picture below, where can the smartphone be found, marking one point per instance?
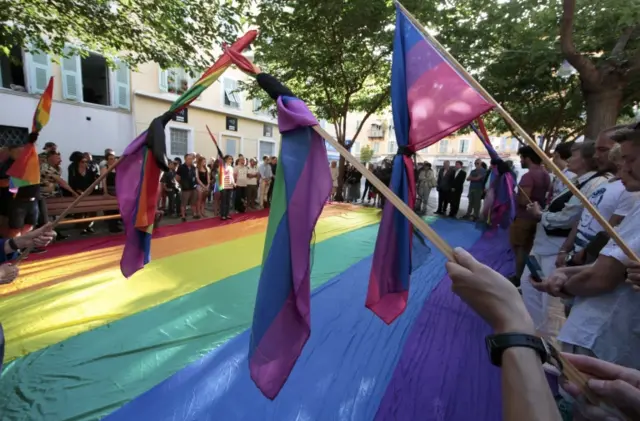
(535, 269)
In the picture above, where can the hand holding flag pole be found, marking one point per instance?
(567, 369)
(532, 143)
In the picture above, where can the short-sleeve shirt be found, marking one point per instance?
(609, 324)
(610, 199)
(49, 176)
(478, 185)
(187, 177)
(253, 181)
(538, 181)
(241, 179)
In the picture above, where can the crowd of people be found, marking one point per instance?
(237, 186)
(576, 268)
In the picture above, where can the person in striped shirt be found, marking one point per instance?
(226, 187)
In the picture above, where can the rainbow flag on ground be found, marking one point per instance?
(282, 315)
(144, 160)
(430, 101)
(25, 171)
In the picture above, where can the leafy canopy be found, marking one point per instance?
(169, 32)
(513, 48)
(366, 154)
(334, 55)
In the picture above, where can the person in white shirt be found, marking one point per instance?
(553, 228)
(266, 177)
(613, 202)
(226, 188)
(252, 183)
(335, 172)
(240, 175)
(604, 321)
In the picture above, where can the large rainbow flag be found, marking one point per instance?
(171, 343)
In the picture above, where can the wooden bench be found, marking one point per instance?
(90, 204)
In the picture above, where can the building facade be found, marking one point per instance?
(91, 107)
(238, 124)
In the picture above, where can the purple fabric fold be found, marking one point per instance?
(128, 184)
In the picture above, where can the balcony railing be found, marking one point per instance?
(376, 133)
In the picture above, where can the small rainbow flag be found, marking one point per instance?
(140, 167)
(43, 110)
(25, 171)
(221, 163)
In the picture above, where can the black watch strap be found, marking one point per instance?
(497, 344)
(13, 245)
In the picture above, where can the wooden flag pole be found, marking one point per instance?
(507, 117)
(69, 208)
(417, 222)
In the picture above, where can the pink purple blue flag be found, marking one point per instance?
(282, 318)
(430, 100)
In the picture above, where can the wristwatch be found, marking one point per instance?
(497, 344)
(13, 245)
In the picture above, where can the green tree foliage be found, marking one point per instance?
(516, 47)
(335, 55)
(169, 32)
(366, 154)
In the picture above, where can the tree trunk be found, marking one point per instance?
(603, 107)
(341, 171)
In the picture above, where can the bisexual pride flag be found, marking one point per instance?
(282, 315)
(430, 100)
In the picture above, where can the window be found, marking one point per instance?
(376, 130)
(175, 80)
(13, 136)
(376, 147)
(503, 143)
(393, 147)
(464, 146)
(231, 97)
(89, 79)
(267, 130)
(356, 147)
(232, 124)
(95, 79)
(24, 73)
(444, 146)
(257, 105)
(12, 70)
(179, 141)
(266, 148)
(231, 146)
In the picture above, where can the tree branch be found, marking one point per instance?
(584, 66)
(621, 44)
